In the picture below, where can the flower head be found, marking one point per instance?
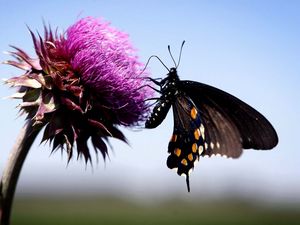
(82, 86)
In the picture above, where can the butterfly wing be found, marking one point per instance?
(187, 141)
(221, 135)
(230, 122)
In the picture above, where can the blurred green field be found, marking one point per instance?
(109, 211)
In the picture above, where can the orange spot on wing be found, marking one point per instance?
(197, 134)
(177, 151)
(194, 147)
(194, 113)
(173, 138)
(184, 162)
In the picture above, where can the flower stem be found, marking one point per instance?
(12, 170)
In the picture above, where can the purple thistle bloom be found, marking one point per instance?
(82, 86)
(107, 63)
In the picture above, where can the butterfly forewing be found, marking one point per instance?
(254, 130)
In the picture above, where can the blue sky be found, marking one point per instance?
(248, 48)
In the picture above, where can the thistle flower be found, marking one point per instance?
(82, 86)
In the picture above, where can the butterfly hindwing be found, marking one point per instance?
(222, 136)
(187, 141)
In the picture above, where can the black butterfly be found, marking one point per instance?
(207, 121)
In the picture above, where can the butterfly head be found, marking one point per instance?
(173, 75)
(173, 70)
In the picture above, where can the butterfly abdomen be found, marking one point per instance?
(158, 114)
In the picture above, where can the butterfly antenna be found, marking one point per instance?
(154, 56)
(180, 54)
(169, 49)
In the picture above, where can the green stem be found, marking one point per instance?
(12, 170)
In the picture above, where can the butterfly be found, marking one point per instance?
(207, 121)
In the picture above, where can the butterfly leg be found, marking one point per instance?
(154, 80)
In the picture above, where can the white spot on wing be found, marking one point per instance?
(202, 130)
(200, 149)
(205, 146)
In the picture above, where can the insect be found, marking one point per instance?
(207, 121)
